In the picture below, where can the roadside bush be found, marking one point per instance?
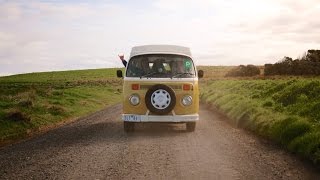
(306, 65)
(249, 70)
(268, 70)
(274, 88)
(279, 126)
(267, 104)
(27, 103)
(291, 119)
(293, 130)
(299, 98)
(56, 110)
(25, 95)
(17, 115)
(57, 93)
(315, 112)
(308, 145)
(316, 157)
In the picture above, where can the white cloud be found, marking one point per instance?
(40, 36)
(10, 12)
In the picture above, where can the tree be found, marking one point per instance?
(308, 64)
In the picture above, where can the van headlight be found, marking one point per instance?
(186, 100)
(134, 99)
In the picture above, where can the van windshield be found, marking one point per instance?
(160, 66)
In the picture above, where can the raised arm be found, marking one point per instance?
(124, 62)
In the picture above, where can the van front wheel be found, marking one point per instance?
(191, 126)
(128, 126)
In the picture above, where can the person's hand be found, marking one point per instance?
(121, 56)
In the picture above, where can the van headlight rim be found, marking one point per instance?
(134, 99)
(186, 100)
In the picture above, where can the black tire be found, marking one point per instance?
(191, 126)
(153, 109)
(128, 126)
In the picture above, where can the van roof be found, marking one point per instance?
(160, 49)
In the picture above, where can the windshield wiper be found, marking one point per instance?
(149, 74)
(180, 74)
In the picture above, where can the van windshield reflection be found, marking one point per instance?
(161, 66)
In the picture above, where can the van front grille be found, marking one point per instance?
(178, 87)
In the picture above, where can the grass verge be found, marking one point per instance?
(286, 111)
(32, 102)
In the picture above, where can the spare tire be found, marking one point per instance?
(160, 99)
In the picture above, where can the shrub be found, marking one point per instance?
(30, 95)
(293, 130)
(292, 118)
(279, 126)
(308, 145)
(27, 103)
(57, 93)
(307, 65)
(249, 70)
(267, 104)
(56, 110)
(268, 70)
(316, 157)
(17, 116)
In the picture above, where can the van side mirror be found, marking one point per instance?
(200, 74)
(119, 74)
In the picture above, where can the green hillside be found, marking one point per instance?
(36, 101)
(284, 109)
(62, 76)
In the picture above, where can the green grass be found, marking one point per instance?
(62, 76)
(31, 102)
(285, 110)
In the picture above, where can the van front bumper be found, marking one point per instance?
(160, 118)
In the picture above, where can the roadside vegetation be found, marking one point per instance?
(242, 71)
(307, 65)
(34, 102)
(282, 108)
(215, 72)
(285, 110)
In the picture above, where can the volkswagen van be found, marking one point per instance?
(160, 84)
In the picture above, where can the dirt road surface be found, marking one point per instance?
(95, 147)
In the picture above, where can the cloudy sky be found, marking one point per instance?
(71, 34)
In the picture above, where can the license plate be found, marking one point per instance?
(132, 118)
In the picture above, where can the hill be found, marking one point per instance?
(32, 102)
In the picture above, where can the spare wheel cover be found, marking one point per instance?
(160, 99)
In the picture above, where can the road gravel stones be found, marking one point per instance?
(95, 147)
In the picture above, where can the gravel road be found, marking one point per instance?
(95, 147)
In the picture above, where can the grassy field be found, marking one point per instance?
(34, 102)
(215, 72)
(286, 110)
(30, 103)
